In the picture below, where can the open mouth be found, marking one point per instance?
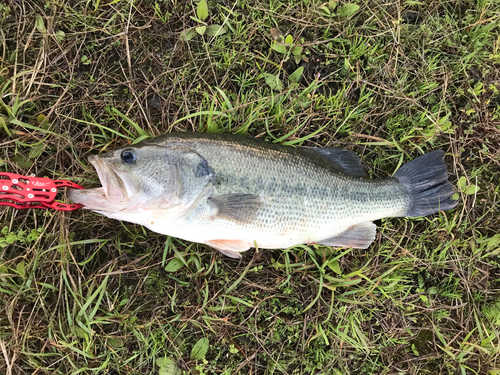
(112, 196)
(113, 186)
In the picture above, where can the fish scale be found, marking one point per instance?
(234, 192)
(331, 198)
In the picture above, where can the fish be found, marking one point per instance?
(234, 192)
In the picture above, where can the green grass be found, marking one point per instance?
(82, 294)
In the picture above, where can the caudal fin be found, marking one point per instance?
(426, 179)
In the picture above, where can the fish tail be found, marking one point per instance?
(426, 180)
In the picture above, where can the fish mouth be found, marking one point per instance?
(114, 194)
(113, 186)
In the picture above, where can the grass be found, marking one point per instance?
(82, 294)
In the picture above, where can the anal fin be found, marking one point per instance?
(230, 248)
(358, 236)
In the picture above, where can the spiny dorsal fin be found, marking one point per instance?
(345, 159)
(242, 208)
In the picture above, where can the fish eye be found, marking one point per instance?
(128, 156)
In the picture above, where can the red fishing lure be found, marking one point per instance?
(33, 192)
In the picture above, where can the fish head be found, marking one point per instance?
(132, 179)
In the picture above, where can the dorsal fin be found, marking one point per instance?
(345, 159)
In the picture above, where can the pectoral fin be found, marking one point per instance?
(242, 208)
(359, 236)
(230, 248)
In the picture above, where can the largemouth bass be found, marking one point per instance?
(233, 192)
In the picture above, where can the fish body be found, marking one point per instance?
(233, 192)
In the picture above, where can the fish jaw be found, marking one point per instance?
(112, 196)
(113, 186)
(96, 200)
(92, 199)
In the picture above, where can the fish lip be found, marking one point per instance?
(91, 199)
(105, 174)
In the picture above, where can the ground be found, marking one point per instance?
(82, 294)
